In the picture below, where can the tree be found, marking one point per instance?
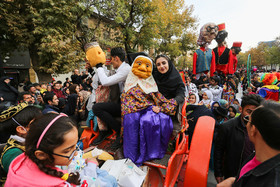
(258, 55)
(273, 53)
(44, 28)
(164, 25)
(176, 29)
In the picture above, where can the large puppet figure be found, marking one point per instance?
(204, 58)
(223, 55)
(236, 48)
(269, 90)
(147, 126)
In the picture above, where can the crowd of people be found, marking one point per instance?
(45, 120)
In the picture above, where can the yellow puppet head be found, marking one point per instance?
(142, 67)
(94, 54)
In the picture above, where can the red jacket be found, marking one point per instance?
(235, 61)
(225, 68)
(58, 93)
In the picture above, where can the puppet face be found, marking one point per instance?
(95, 55)
(209, 32)
(221, 36)
(142, 67)
(236, 50)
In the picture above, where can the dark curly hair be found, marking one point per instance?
(53, 138)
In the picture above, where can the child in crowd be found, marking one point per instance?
(232, 112)
(215, 88)
(51, 142)
(193, 99)
(207, 99)
(16, 124)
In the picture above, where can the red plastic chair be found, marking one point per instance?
(199, 155)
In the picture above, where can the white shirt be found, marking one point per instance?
(216, 91)
(118, 78)
(191, 88)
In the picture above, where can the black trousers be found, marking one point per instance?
(107, 112)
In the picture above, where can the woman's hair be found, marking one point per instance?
(53, 138)
(163, 56)
(24, 117)
(266, 118)
(72, 88)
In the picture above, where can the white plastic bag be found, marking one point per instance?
(126, 172)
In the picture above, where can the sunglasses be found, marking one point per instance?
(246, 119)
(69, 157)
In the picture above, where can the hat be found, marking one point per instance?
(10, 112)
(221, 26)
(237, 44)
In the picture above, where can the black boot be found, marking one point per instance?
(101, 137)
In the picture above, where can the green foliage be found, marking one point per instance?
(49, 28)
(163, 25)
(45, 28)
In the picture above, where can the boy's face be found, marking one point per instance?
(212, 82)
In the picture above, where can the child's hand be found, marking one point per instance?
(156, 109)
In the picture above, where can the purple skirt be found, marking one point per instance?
(146, 135)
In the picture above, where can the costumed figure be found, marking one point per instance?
(269, 90)
(278, 78)
(204, 58)
(147, 126)
(223, 55)
(236, 48)
(95, 55)
(229, 90)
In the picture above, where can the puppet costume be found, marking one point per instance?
(228, 92)
(204, 58)
(145, 133)
(223, 55)
(269, 90)
(236, 48)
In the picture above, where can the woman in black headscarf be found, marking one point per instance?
(168, 79)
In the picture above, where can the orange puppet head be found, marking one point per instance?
(94, 54)
(142, 67)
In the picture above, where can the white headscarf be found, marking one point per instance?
(148, 85)
(210, 98)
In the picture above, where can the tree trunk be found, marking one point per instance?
(43, 77)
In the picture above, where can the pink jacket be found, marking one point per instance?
(24, 172)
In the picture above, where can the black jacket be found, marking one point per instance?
(78, 79)
(265, 174)
(8, 92)
(229, 146)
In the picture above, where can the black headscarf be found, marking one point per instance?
(170, 84)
